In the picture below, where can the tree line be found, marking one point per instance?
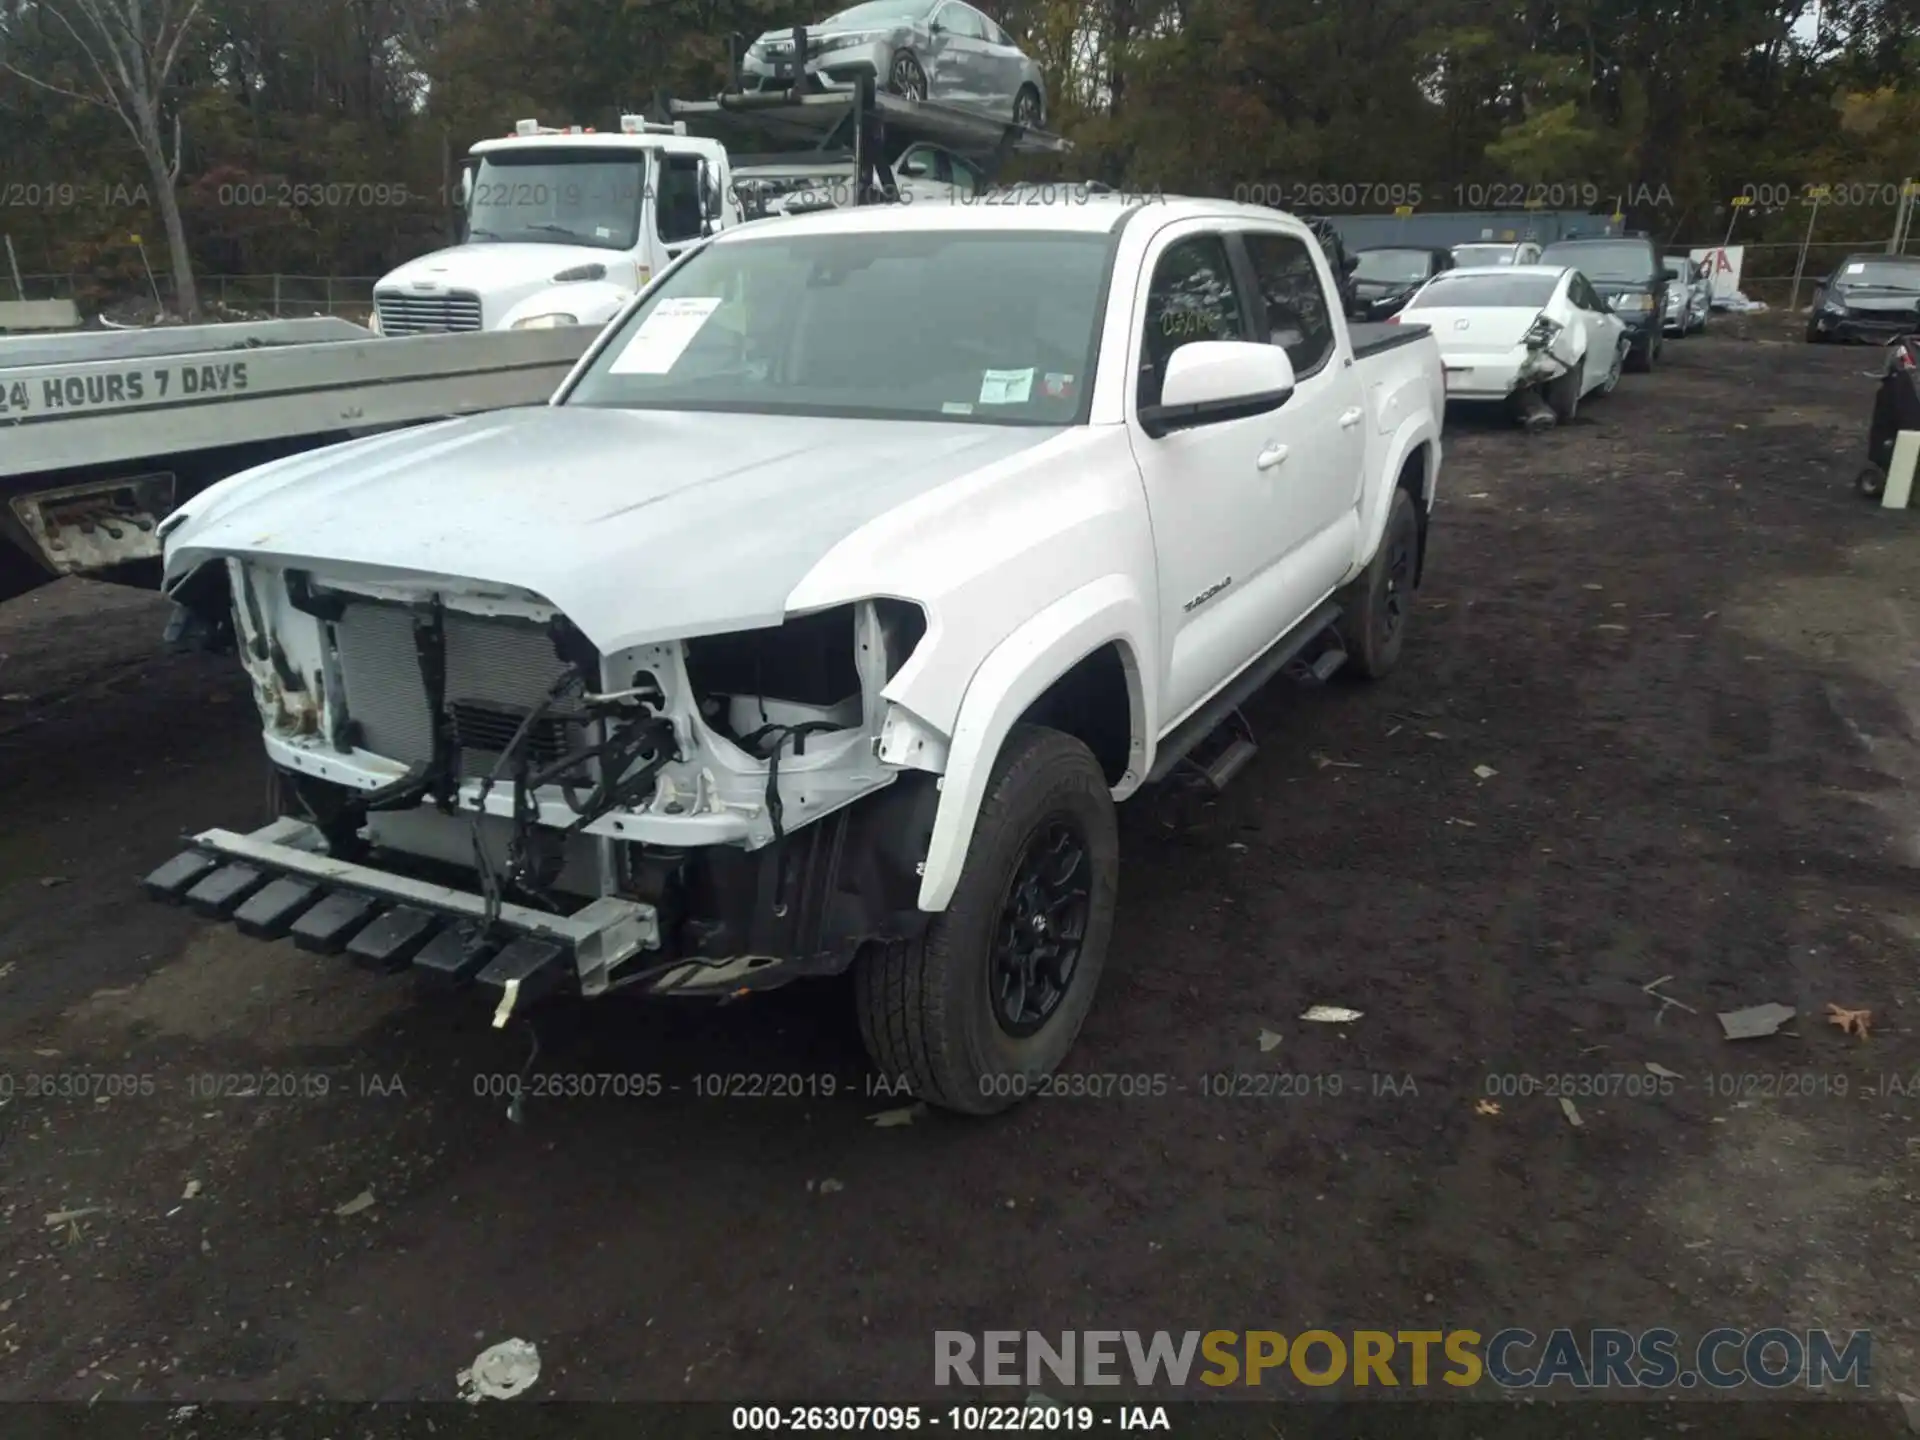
(322, 137)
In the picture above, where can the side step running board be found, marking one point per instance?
(1223, 708)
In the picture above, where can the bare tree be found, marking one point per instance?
(123, 54)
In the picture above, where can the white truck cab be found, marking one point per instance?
(562, 226)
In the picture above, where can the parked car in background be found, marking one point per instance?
(1628, 273)
(1388, 274)
(1689, 296)
(1511, 331)
(923, 49)
(1342, 260)
(1867, 297)
(1519, 252)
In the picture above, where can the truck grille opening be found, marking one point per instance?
(498, 670)
(403, 314)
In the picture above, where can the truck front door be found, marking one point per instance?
(1217, 493)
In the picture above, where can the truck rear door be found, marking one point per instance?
(1318, 489)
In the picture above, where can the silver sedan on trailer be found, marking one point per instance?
(923, 49)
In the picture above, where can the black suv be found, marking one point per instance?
(1631, 276)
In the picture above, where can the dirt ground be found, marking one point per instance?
(1660, 716)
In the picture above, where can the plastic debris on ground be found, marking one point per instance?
(1269, 1041)
(1572, 1114)
(1756, 1022)
(1331, 1015)
(362, 1201)
(905, 1115)
(500, 1372)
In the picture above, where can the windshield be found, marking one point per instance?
(1890, 274)
(559, 197)
(993, 327)
(1394, 265)
(876, 12)
(1517, 292)
(1483, 254)
(1624, 260)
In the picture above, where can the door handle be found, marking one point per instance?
(1352, 418)
(1271, 456)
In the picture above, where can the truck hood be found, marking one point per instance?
(640, 525)
(503, 272)
(1877, 299)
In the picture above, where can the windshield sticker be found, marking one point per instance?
(956, 407)
(1057, 387)
(601, 232)
(1006, 387)
(1859, 267)
(664, 336)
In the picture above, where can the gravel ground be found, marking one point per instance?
(1657, 718)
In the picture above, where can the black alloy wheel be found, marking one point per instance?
(1041, 927)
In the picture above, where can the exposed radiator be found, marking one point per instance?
(497, 671)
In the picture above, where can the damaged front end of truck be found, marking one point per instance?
(470, 788)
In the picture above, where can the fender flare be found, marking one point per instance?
(1015, 674)
(1416, 430)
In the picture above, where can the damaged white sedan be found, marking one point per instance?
(1537, 338)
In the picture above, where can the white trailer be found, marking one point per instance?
(103, 433)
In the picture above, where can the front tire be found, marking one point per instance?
(987, 1005)
(905, 77)
(1027, 109)
(1612, 381)
(1382, 599)
(1639, 359)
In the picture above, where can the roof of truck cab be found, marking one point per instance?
(605, 140)
(1063, 207)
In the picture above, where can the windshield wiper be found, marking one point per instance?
(553, 229)
(473, 230)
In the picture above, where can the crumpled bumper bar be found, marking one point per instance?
(279, 882)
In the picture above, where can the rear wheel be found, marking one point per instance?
(1871, 482)
(988, 1004)
(1381, 602)
(1613, 371)
(905, 77)
(1640, 357)
(1563, 394)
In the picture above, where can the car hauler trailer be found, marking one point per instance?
(850, 135)
(103, 433)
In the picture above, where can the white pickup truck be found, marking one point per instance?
(821, 618)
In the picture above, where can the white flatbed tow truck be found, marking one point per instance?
(103, 433)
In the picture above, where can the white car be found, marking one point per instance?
(820, 620)
(1496, 252)
(1510, 332)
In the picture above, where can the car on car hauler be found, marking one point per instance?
(820, 620)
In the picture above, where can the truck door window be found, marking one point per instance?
(677, 204)
(1299, 318)
(1192, 297)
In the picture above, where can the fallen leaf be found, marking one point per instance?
(362, 1201)
(1487, 1107)
(1573, 1115)
(1851, 1022)
(1435, 735)
(1593, 587)
(1485, 772)
(48, 882)
(1654, 1068)
(1468, 823)
(1323, 762)
(193, 1189)
(1268, 1041)
(1610, 627)
(829, 1187)
(892, 1119)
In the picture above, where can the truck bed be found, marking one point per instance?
(1375, 338)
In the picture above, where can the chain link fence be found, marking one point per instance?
(222, 296)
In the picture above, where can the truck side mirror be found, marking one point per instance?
(466, 187)
(709, 198)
